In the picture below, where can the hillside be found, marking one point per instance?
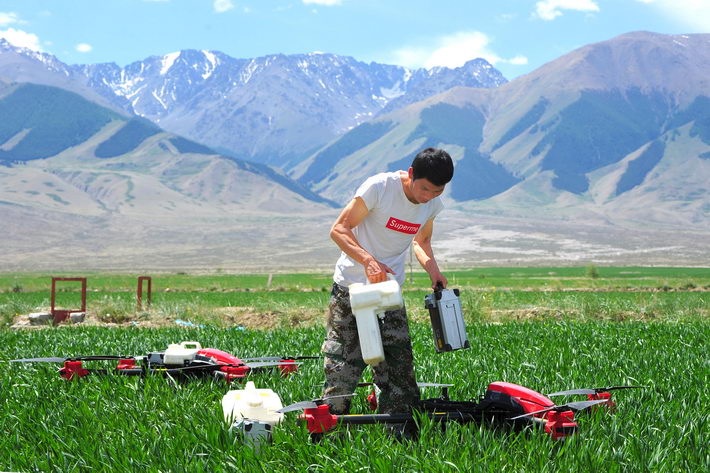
(81, 184)
(614, 131)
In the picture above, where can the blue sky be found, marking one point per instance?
(517, 36)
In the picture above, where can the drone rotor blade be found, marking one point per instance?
(572, 391)
(434, 385)
(298, 406)
(99, 358)
(321, 400)
(573, 406)
(56, 359)
(592, 390)
(530, 414)
(40, 360)
(614, 388)
(310, 404)
(580, 405)
(281, 358)
(264, 364)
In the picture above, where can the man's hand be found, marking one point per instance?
(436, 278)
(376, 271)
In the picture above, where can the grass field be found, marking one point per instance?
(537, 278)
(642, 326)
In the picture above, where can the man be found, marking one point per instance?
(374, 231)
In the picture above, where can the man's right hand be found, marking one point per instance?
(376, 271)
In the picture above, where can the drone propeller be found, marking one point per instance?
(264, 364)
(281, 358)
(574, 406)
(434, 385)
(40, 360)
(421, 385)
(592, 390)
(310, 404)
(54, 359)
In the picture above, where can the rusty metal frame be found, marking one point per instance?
(61, 315)
(139, 292)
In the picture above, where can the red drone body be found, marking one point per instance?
(558, 424)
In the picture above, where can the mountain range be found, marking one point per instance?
(217, 160)
(616, 131)
(274, 109)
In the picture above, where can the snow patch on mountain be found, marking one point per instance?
(168, 61)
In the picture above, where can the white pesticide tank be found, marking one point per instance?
(252, 404)
(181, 353)
(368, 302)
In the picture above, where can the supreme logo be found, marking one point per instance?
(402, 226)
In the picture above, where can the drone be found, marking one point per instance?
(186, 359)
(502, 404)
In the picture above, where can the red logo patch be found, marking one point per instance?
(402, 226)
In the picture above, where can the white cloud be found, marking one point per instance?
(451, 51)
(221, 6)
(325, 3)
(9, 18)
(21, 38)
(518, 61)
(551, 9)
(694, 13)
(456, 49)
(83, 47)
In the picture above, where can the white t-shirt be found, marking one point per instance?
(388, 229)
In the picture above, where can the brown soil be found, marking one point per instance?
(246, 317)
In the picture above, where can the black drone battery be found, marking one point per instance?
(446, 320)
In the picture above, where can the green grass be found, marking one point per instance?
(545, 328)
(116, 423)
(296, 308)
(535, 278)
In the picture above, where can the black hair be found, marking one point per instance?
(433, 164)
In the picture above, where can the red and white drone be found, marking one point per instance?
(503, 403)
(184, 359)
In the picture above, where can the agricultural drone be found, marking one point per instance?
(184, 359)
(503, 403)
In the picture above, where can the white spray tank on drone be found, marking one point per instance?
(369, 302)
(252, 413)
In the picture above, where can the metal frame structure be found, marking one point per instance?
(139, 292)
(59, 315)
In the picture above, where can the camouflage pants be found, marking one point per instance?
(344, 364)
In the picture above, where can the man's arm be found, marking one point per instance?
(425, 255)
(342, 234)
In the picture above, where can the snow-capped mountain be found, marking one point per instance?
(426, 83)
(22, 65)
(274, 109)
